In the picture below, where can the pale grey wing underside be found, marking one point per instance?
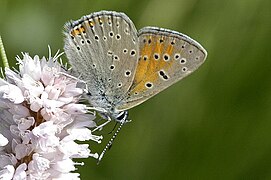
(165, 58)
(103, 49)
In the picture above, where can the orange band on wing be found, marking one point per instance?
(148, 66)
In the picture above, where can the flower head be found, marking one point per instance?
(40, 119)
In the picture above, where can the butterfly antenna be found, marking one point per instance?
(110, 142)
(113, 128)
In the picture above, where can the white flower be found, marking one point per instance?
(40, 120)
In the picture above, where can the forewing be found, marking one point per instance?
(103, 48)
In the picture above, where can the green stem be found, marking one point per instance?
(3, 54)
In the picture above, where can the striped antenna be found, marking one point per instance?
(110, 142)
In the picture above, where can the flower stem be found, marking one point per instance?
(3, 54)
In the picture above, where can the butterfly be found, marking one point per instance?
(123, 67)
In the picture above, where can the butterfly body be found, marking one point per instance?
(108, 108)
(123, 67)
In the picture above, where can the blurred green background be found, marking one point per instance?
(214, 124)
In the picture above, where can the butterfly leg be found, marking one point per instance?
(102, 125)
(101, 110)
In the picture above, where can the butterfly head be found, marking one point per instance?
(121, 116)
(118, 116)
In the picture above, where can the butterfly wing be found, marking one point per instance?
(165, 57)
(102, 49)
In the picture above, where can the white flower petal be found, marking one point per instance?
(72, 91)
(45, 129)
(72, 149)
(48, 144)
(6, 159)
(38, 163)
(36, 104)
(12, 93)
(47, 76)
(64, 166)
(20, 173)
(7, 172)
(13, 78)
(85, 120)
(22, 150)
(66, 100)
(35, 88)
(83, 134)
(3, 140)
(30, 66)
(67, 176)
(19, 110)
(75, 108)
(24, 123)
